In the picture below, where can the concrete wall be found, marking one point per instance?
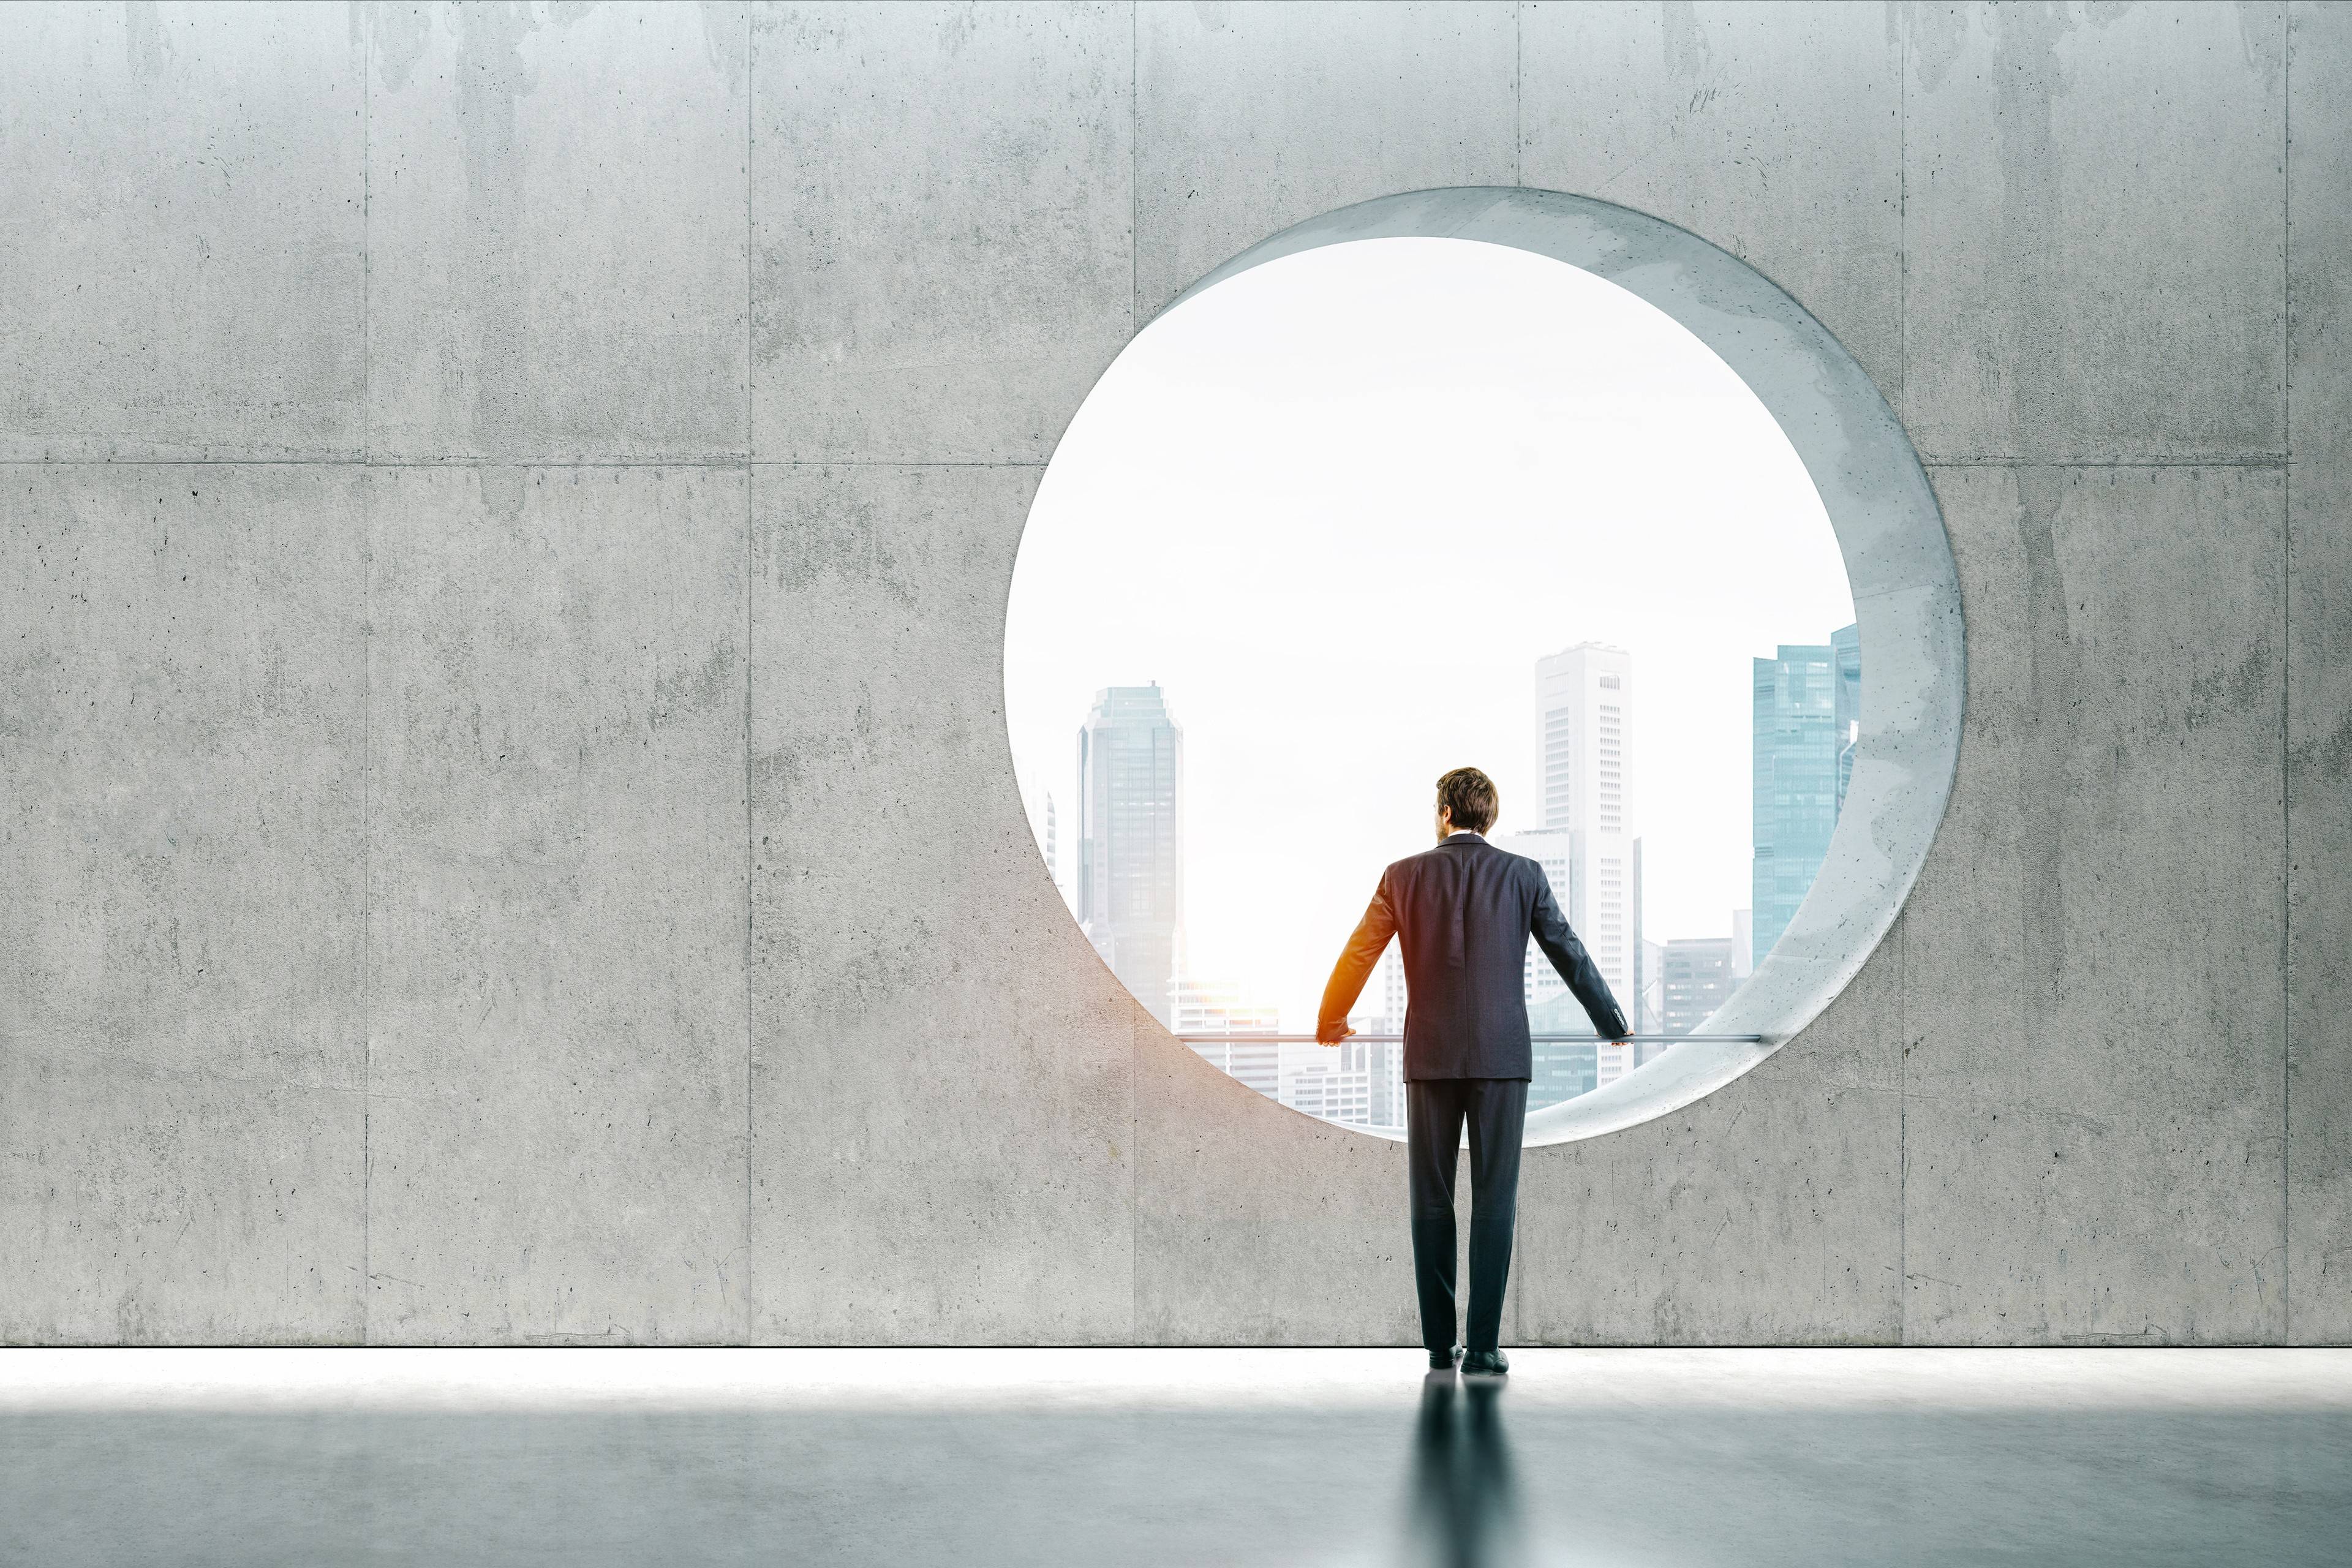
(505, 828)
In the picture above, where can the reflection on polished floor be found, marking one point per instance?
(1095, 1456)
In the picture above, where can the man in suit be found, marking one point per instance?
(1462, 913)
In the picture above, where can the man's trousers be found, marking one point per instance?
(1497, 1111)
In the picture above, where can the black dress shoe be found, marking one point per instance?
(1485, 1364)
(1443, 1361)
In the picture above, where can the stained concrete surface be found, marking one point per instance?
(1175, 1457)
(941, 193)
(943, 1106)
(1774, 131)
(557, 789)
(2135, 1042)
(1251, 118)
(1777, 1199)
(182, 758)
(184, 232)
(2094, 205)
(2095, 231)
(1256, 1225)
(559, 232)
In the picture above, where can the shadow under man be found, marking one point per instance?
(1464, 1499)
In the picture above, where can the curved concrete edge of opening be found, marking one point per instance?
(1898, 564)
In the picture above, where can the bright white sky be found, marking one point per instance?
(1338, 505)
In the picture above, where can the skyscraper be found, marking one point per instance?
(1130, 840)
(1654, 958)
(1584, 711)
(1565, 1067)
(1334, 1083)
(1645, 978)
(1845, 650)
(1698, 979)
(1221, 1007)
(1561, 1069)
(1382, 1063)
(1802, 696)
(1388, 985)
(1553, 848)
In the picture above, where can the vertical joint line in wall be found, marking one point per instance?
(367, 79)
(1519, 107)
(2287, 680)
(750, 588)
(1903, 216)
(1134, 1165)
(1134, 325)
(367, 904)
(367, 716)
(1134, 168)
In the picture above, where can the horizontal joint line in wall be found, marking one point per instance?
(2237, 461)
(480, 463)
(374, 463)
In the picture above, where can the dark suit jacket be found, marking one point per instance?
(1462, 913)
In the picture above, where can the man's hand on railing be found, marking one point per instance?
(1331, 1034)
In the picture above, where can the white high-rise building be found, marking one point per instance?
(1211, 1007)
(1130, 877)
(1654, 958)
(1223, 1007)
(1383, 1064)
(1553, 848)
(1584, 711)
(1334, 1084)
(1388, 982)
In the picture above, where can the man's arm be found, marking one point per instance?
(1575, 965)
(1355, 966)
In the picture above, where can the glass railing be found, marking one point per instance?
(1358, 1081)
(1222, 1036)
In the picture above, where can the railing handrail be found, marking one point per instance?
(1258, 1039)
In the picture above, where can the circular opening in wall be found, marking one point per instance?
(1510, 480)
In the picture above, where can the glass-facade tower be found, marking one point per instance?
(1130, 840)
(1696, 980)
(1807, 717)
(1845, 652)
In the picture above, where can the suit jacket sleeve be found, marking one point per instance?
(1575, 965)
(1356, 960)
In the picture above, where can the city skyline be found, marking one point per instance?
(1133, 910)
(1128, 890)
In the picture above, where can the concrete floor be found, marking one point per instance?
(1099, 1456)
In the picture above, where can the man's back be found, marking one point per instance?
(1462, 913)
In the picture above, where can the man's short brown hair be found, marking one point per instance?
(1470, 796)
